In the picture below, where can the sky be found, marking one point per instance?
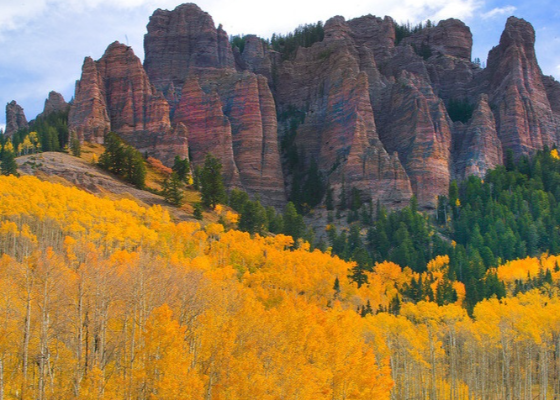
(43, 42)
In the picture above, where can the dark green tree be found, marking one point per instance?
(293, 222)
(197, 212)
(182, 168)
(75, 145)
(253, 218)
(237, 199)
(172, 190)
(211, 181)
(8, 164)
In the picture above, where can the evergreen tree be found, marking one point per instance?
(275, 220)
(8, 164)
(181, 168)
(237, 199)
(197, 212)
(197, 173)
(123, 160)
(293, 222)
(172, 190)
(211, 181)
(253, 218)
(75, 145)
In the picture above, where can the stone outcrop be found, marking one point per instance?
(115, 94)
(255, 57)
(233, 116)
(477, 145)
(450, 37)
(416, 126)
(370, 112)
(88, 117)
(55, 103)
(227, 113)
(339, 132)
(180, 40)
(552, 87)
(15, 118)
(524, 118)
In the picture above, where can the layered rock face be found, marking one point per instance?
(15, 118)
(371, 113)
(55, 103)
(115, 94)
(477, 146)
(524, 117)
(416, 126)
(180, 40)
(88, 117)
(227, 113)
(339, 132)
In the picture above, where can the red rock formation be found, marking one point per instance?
(182, 39)
(418, 129)
(478, 146)
(373, 112)
(339, 131)
(115, 94)
(132, 102)
(234, 118)
(15, 119)
(256, 57)
(209, 129)
(523, 113)
(450, 37)
(552, 87)
(55, 103)
(374, 33)
(88, 116)
(227, 113)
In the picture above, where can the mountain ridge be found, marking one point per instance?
(373, 114)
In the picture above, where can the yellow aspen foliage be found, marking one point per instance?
(169, 372)
(232, 218)
(104, 299)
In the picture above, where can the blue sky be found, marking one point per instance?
(43, 42)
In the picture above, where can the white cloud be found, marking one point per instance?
(15, 13)
(248, 16)
(2, 127)
(499, 11)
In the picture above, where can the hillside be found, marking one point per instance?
(107, 299)
(65, 169)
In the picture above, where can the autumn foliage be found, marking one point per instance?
(104, 299)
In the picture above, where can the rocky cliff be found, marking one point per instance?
(389, 118)
(115, 94)
(15, 118)
(180, 40)
(229, 113)
(55, 103)
(524, 117)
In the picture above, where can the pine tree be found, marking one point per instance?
(211, 181)
(197, 212)
(181, 168)
(75, 145)
(336, 288)
(172, 190)
(8, 163)
(293, 222)
(253, 218)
